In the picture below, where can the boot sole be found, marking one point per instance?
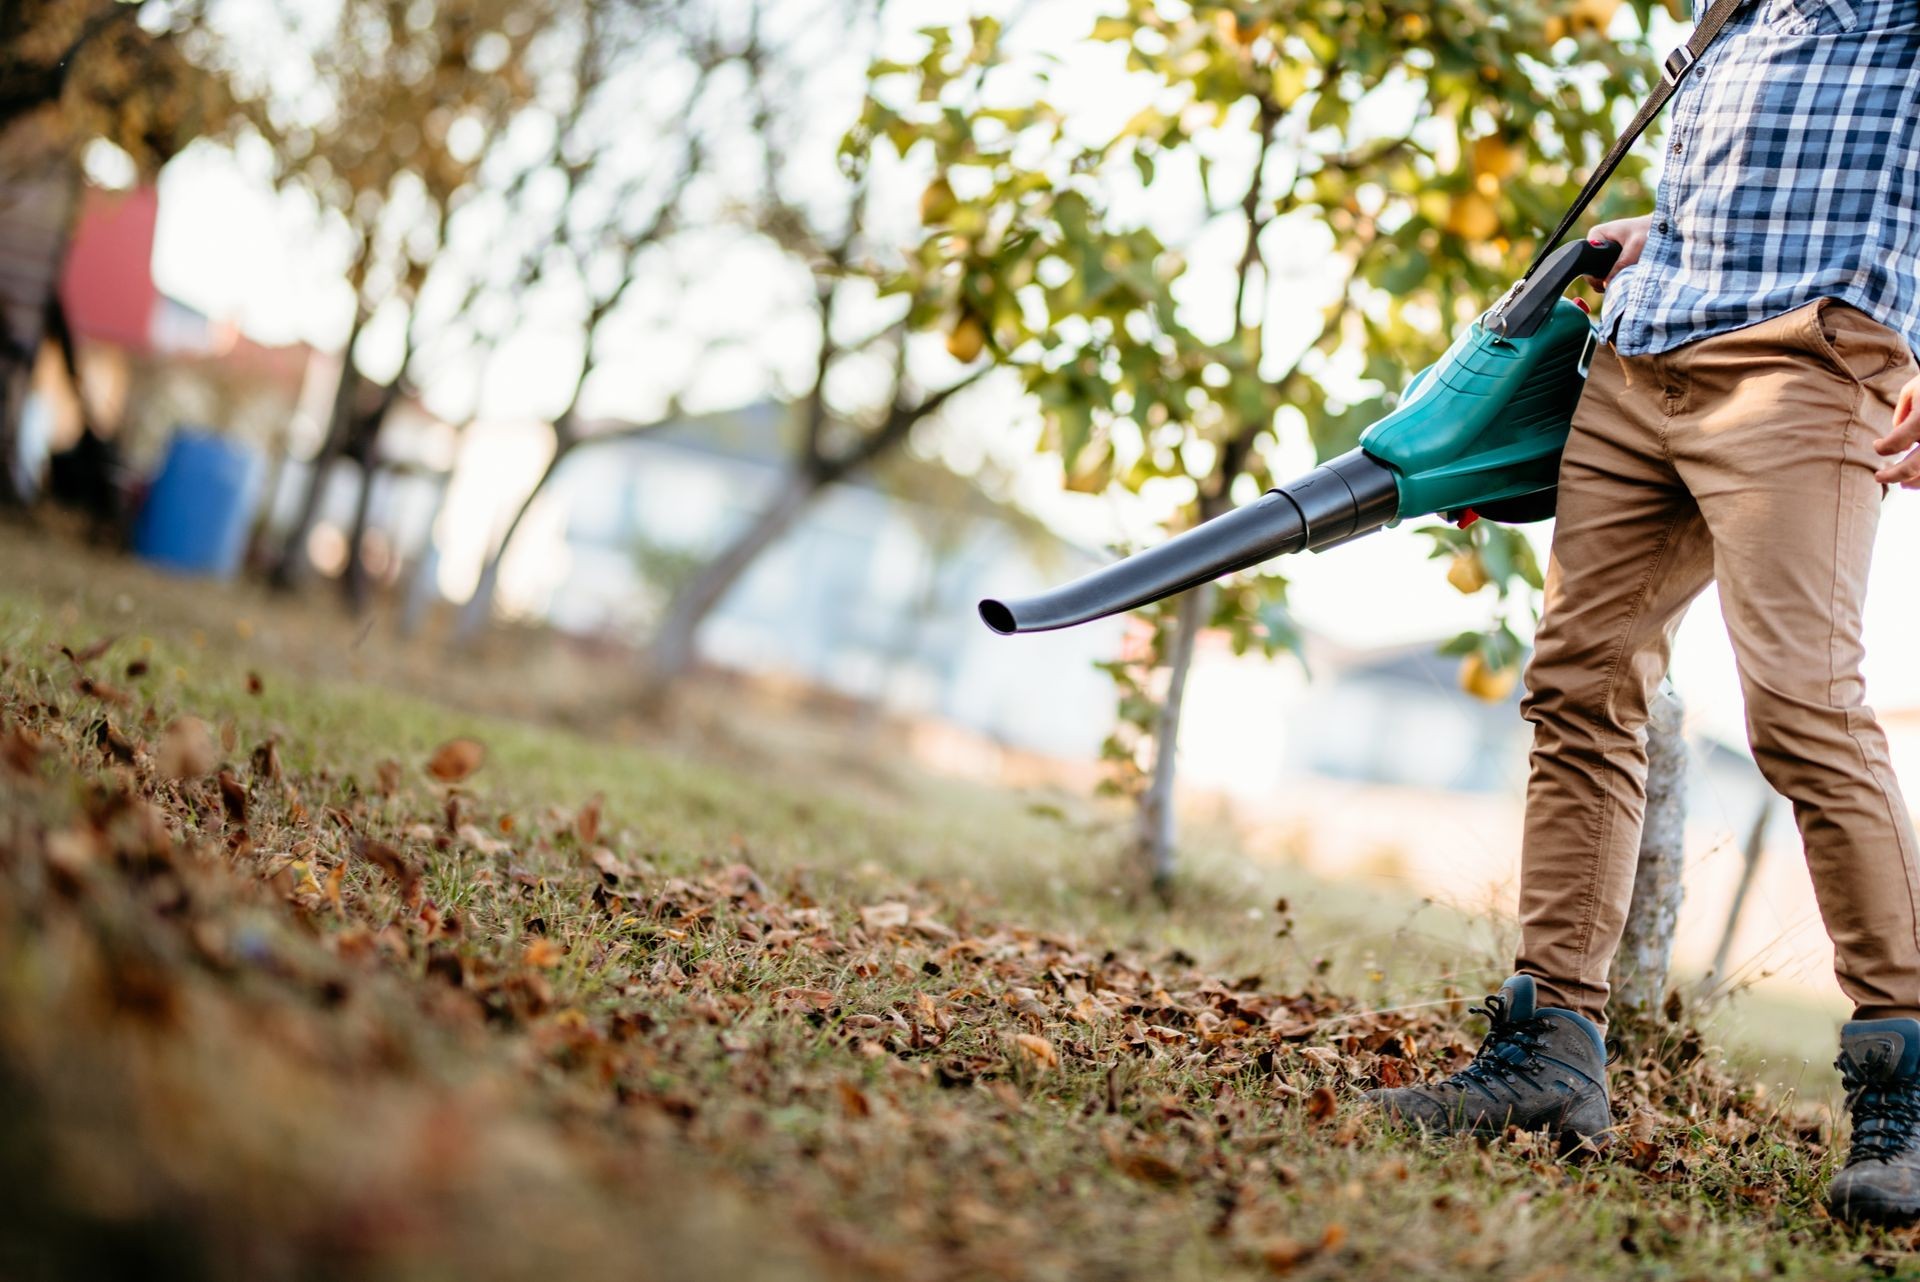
(1868, 1210)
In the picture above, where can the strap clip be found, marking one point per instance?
(1678, 63)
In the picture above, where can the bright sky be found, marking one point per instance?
(233, 248)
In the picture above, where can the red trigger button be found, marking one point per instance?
(1467, 518)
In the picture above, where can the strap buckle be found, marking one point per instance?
(1678, 63)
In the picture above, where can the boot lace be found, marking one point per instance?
(1885, 1112)
(1510, 1052)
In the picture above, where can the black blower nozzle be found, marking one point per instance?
(1337, 501)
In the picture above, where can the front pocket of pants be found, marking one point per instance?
(1856, 346)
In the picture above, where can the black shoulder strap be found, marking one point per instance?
(1678, 64)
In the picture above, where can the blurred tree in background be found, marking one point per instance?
(866, 382)
(72, 72)
(1383, 172)
(588, 219)
(392, 138)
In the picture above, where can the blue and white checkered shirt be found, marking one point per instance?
(1793, 173)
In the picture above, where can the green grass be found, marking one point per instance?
(698, 1057)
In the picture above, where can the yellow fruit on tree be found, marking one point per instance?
(937, 203)
(1494, 156)
(1483, 682)
(967, 339)
(1471, 216)
(1591, 17)
(1467, 574)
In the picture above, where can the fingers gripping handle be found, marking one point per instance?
(1527, 309)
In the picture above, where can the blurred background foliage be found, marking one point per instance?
(1426, 146)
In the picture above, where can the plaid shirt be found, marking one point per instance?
(1793, 173)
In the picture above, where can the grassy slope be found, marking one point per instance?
(697, 1057)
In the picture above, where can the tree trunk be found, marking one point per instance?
(16, 375)
(672, 651)
(423, 579)
(478, 610)
(1749, 869)
(1154, 823)
(355, 584)
(1640, 968)
(290, 570)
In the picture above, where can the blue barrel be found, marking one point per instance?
(201, 506)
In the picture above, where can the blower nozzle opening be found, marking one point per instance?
(1338, 501)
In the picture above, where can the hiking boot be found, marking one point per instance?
(1540, 1069)
(1880, 1066)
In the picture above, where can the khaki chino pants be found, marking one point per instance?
(1744, 458)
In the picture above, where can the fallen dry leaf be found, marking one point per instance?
(884, 916)
(586, 824)
(186, 749)
(88, 653)
(854, 1100)
(20, 749)
(806, 998)
(1322, 1104)
(1038, 1049)
(102, 691)
(543, 954)
(233, 796)
(456, 759)
(390, 862)
(609, 863)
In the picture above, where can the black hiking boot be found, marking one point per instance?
(1540, 1069)
(1880, 1065)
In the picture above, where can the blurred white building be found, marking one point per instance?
(872, 594)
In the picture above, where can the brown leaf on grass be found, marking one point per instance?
(266, 761)
(1142, 1164)
(1282, 1255)
(387, 774)
(255, 686)
(795, 999)
(543, 954)
(115, 744)
(1322, 1104)
(884, 916)
(186, 750)
(853, 1100)
(1038, 1049)
(391, 862)
(233, 796)
(137, 668)
(20, 749)
(88, 653)
(609, 864)
(586, 824)
(456, 759)
(102, 691)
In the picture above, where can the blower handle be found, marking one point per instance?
(1527, 309)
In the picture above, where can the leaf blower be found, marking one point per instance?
(1477, 434)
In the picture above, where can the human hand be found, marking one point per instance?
(1631, 234)
(1905, 435)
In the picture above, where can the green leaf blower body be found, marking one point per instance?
(1477, 433)
(1484, 426)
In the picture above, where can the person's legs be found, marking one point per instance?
(1779, 456)
(1630, 551)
